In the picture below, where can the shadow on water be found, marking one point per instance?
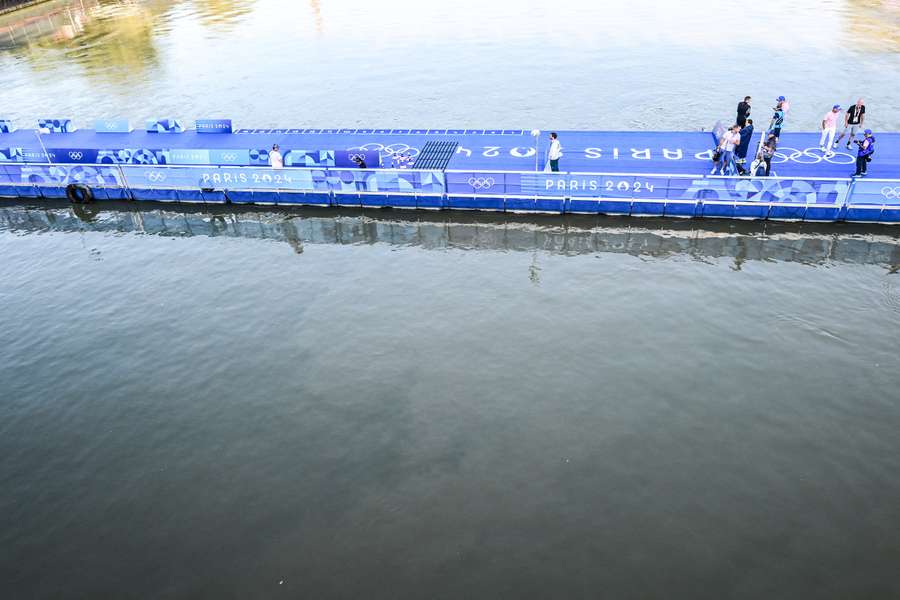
(804, 243)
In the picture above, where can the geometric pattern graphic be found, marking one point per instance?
(299, 180)
(6, 126)
(56, 126)
(61, 175)
(165, 126)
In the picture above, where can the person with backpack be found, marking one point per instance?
(864, 154)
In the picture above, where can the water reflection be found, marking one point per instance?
(573, 236)
(111, 40)
(874, 25)
(222, 13)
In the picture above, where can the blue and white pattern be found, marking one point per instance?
(6, 126)
(56, 126)
(165, 126)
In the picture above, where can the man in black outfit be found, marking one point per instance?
(740, 153)
(743, 111)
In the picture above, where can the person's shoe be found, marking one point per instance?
(864, 175)
(855, 175)
(836, 144)
(829, 154)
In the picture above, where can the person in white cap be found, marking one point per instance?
(829, 129)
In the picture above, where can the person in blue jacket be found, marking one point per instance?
(746, 134)
(865, 152)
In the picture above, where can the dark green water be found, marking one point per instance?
(310, 404)
(200, 403)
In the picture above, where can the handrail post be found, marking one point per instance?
(125, 183)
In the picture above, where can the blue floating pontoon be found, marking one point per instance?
(628, 173)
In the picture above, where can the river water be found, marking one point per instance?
(257, 403)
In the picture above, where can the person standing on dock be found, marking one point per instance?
(276, 161)
(864, 154)
(829, 128)
(555, 152)
(854, 119)
(743, 112)
(778, 117)
(730, 140)
(746, 134)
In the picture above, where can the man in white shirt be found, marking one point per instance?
(555, 152)
(275, 159)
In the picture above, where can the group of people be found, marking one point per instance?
(730, 156)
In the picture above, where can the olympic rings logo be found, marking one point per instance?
(389, 150)
(229, 157)
(481, 183)
(890, 193)
(811, 156)
(155, 176)
(76, 155)
(356, 157)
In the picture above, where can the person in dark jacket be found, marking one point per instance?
(743, 111)
(864, 154)
(746, 134)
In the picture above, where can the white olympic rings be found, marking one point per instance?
(389, 150)
(76, 155)
(156, 176)
(481, 183)
(811, 156)
(355, 157)
(229, 157)
(890, 193)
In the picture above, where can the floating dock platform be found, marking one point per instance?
(621, 173)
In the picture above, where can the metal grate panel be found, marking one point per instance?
(435, 155)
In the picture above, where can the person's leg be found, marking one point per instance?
(852, 136)
(554, 165)
(829, 139)
(865, 164)
(727, 163)
(837, 141)
(768, 162)
(860, 160)
(822, 139)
